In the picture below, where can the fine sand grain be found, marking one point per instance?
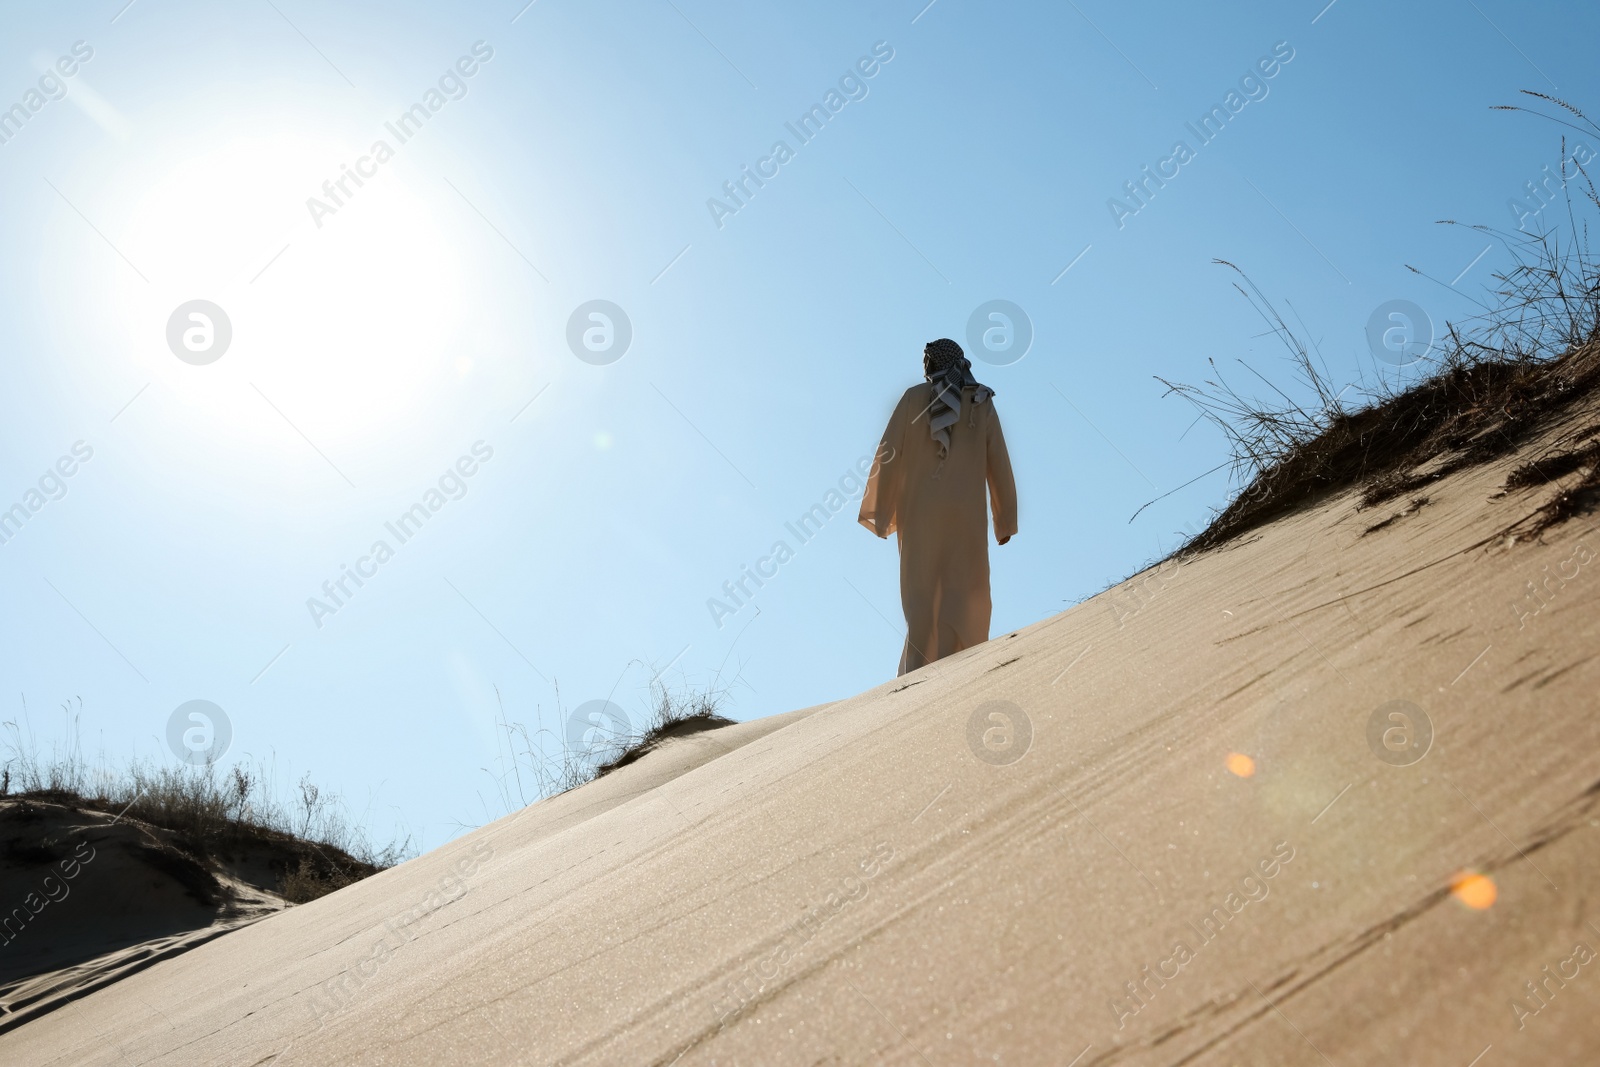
(1205, 855)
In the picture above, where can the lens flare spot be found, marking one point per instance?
(1241, 765)
(1476, 891)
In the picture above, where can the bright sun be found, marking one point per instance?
(347, 328)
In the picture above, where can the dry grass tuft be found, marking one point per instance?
(1501, 377)
(675, 716)
(318, 874)
(540, 762)
(1547, 469)
(211, 815)
(1416, 505)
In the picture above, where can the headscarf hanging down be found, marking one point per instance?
(947, 368)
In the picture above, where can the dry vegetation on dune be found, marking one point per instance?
(213, 821)
(528, 772)
(178, 854)
(1499, 378)
(311, 846)
(675, 716)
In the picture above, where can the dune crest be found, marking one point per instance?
(1039, 850)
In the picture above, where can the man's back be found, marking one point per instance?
(928, 487)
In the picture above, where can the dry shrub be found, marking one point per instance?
(212, 815)
(1499, 378)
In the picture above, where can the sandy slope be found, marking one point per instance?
(856, 884)
(91, 897)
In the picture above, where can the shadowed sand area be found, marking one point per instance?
(852, 884)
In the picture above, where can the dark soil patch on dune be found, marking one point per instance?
(637, 747)
(1465, 416)
(1529, 362)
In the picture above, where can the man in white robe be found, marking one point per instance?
(942, 448)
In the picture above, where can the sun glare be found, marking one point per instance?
(348, 323)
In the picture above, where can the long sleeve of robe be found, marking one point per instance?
(939, 514)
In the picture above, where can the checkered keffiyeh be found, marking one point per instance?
(948, 369)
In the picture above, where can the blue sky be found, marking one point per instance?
(389, 338)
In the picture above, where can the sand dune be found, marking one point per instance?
(1189, 833)
(93, 898)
